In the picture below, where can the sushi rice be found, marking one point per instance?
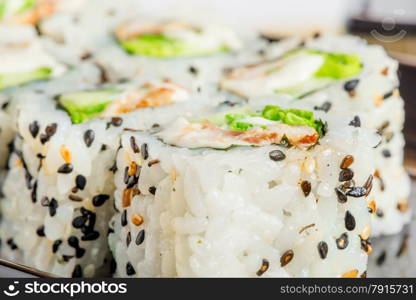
(187, 149)
(245, 211)
(370, 94)
(64, 172)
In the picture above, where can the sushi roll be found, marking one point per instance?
(337, 75)
(191, 52)
(24, 60)
(246, 192)
(76, 34)
(59, 187)
(33, 11)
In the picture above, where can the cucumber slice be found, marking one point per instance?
(87, 105)
(160, 46)
(334, 67)
(13, 7)
(14, 79)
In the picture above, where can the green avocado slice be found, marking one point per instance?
(6, 8)
(235, 119)
(160, 46)
(335, 66)
(87, 105)
(19, 78)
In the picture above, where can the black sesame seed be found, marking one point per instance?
(357, 191)
(100, 199)
(132, 181)
(346, 175)
(349, 221)
(67, 258)
(379, 213)
(65, 169)
(43, 138)
(113, 168)
(79, 252)
(133, 145)
(228, 103)
(403, 246)
(145, 151)
(323, 249)
(124, 218)
(356, 122)
(103, 147)
(73, 241)
(152, 190)
(28, 178)
(277, 155)
(193, 70)
(126, 175)
(306, 187)
(33, 194)
(77, 273)
(270, 39)
(5, 105)
(113, 266)
(80, 182)
(90, 236)
(140, 237)
(41, 230)
(381, 259)
(326, 106)
(386, 153)
(129, 269)
(89, 137)
(351, 85)
(53, 205)
(12, 244)
(116, 121)
(56, 245)
(34, 128)
(128, 239)
(79, 221)
(388, 95)
(342, 241)
(50, 130)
